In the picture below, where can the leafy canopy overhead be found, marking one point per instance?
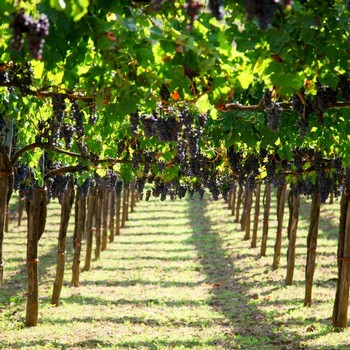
(266, 75)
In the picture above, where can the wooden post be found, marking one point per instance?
(111, 215)
(341, 303)
(267, 206)
(245, 201)
(233, 200)
(66, 207)
(90, 226)
(256, 216)
(36, 225)
(7, 218)
(105, 209)
(98, 214)
(294, 206)
(281, 191)
(229, 200)
(6, 174)
(311, 247)
(247, 210)
(117, 213)
(79, 232)
(20, 210)
(239, 202)
(132, 197)
(125, 206)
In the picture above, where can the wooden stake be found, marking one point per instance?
(281, 191)
(37, 212)
(66, 207)
(294, 206)
(341, 303)
(311, 247)
(79, 233)
(267, 205)
(90, 226)
(256, 216)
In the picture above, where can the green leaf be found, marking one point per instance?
(58, 4)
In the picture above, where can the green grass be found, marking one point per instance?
(178, 277)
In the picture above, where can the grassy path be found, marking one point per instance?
(179, 276)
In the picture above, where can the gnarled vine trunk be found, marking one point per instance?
(37, 211)
(341, 303)
(105, 209)
(311, 247)
(66, 207)
(90, 226)
(239, 202)
(256, 216)
(281, 191)
(233, 200)
(267, 206)
(117, 213)
(247, 210)
(6, 178)
(294, 206)
(98, 214)
(111, 215)
(79, 232)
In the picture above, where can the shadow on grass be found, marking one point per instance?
(105, 344)
(229, 292)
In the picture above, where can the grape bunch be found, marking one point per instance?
(262, 10)
(192, 10)
(217, 8)
(167, 128)
(273, 111)
(134, 123)
(67, 132)
(36, 31)
(93, 113)
(55, 122)
(325, 97)
(20, 75)
(111, 179)
(77, 116)
(344, 86)
(303, 106)
(58, 186)
(149, 125)
(84, 188)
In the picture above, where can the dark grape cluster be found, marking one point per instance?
(217, 8)
(24, 181)
(67, 132)
(84, 188)
(344, 86)
(59, 185)
(167, 128)
(111, 179)
(303, 106)
(134, 123)
(273, 111)
(19, 75)
(53, 131)
(149, 125)
(93, 113)
(77, 116)
(261, 10)
(325, 97)
(36, 31)
(192, 10)
(119, 186)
